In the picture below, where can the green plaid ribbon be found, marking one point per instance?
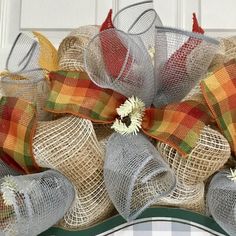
(17, 127)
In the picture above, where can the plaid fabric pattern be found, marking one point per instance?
(17, 127)
(162, 228)
(75, 93)
(178, 125)
(219, 90)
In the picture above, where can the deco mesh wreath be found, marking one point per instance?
(123, 116)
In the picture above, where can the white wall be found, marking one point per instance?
(55, 18)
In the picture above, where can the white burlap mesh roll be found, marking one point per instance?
(71, 49)
(210, 154)
(69, 145)
(187, 197)
(139, 19)
(30, 204)
(116, 60)
(135, 174)
(32, 87)
(181, 60)
(221, 201)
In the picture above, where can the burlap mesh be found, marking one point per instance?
(30, 204)
(71, 49)
(116, 60)
(221, 198)
(31, 87)
(69, 145)
(139, 19)
(187, 197)
(135, 174)
(210, 154)
(181, 60)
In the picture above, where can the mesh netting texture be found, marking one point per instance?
(24, 55)
(221, 198)
(6, 170)
(71, 49)
(210, 154)
(116, 60)
(181, 60)
(31, 88)
(139, 19)
(31, 204)
(69, 145)
(135, 174)
(187, 197)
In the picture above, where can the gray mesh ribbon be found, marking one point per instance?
(181, 60)
(116, 60)
(221, 199)
(135, 174)
(139, 19)
(31, 204)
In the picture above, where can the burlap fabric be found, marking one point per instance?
(135, 174)
(71, 49)
(210, 154)
(221, 197)
(187, 197)
(30, 204)
(226, 52)
(69, 145)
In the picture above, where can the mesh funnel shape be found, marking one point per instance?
(69, 145)
(24, 54)
(116, 60)
(30, 204)
(71, 49)
(139, 19)
(33, 87)
(221, 201)
(135, 174)
(181, 60)
(210, 154)
(187, 197)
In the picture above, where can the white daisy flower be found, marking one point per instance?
(233, 175)
(131, 114)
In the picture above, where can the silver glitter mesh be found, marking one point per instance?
(23, 55)
(181, 60)
(135, 174)
(116, 60)
(6, 170)
(139, 19)
(221, 201)
(31, 204)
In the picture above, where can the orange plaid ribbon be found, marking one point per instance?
(219, 91)
(17, 127)
(178, 124)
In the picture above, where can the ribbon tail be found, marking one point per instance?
(18, 124)
(178, 125)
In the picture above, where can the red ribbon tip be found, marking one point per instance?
(196, 27)
(107, 24)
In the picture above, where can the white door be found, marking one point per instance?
(55, 18)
